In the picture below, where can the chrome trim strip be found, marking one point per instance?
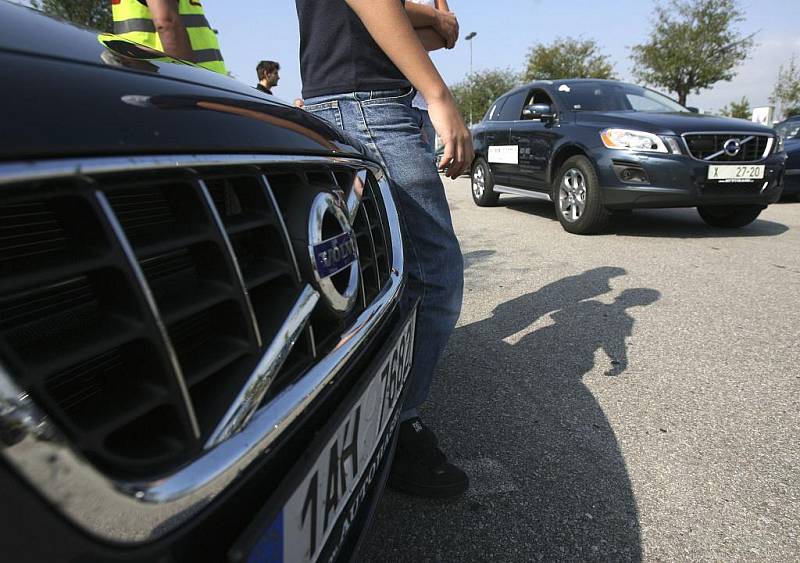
(141, 511)
(43, 169)
(244, 406)
(237, 271)
(500, 189)
(770, 141)
(356, 191)
(166, 342)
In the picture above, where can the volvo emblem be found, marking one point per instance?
(732, 147)
(333, 252)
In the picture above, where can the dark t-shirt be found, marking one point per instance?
(337, 53)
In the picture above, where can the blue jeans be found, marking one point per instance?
(391, 129)
(429, 131)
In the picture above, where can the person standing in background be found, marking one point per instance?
(431, 43)
(268, 76)
(178, 28)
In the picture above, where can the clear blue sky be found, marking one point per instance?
(251, 30)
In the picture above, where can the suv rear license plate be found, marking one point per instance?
(736, 173)
(340, 466)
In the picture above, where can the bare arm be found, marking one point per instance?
(169, 26)
(444, 23)
(391, 29)
(431, 40)
(420, 15)
(442, 5)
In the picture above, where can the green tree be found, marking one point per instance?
(477, 92)
(91, 13)
(787, 89)
(694, 44)
(567, 58)
(740, 109)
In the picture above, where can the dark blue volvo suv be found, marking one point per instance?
(593, 146)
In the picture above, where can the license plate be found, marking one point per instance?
(736, 173)
(319, 508)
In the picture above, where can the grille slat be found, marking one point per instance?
(76, 346)
(165, 246)
(242, 224)
(207, 362)
(194, 301)
(264, 271)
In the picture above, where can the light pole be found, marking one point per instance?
(470, 36)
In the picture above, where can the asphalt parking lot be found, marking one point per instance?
(631, 396)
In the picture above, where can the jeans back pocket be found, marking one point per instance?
(329, 111)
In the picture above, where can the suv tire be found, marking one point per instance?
(482, 184)
(729, 216)
(577, 197)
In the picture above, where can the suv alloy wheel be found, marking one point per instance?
(483, 193)
(577, 198)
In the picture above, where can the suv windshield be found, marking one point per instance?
(788, 129)
(601, 96)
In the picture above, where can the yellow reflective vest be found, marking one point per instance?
(133, 21)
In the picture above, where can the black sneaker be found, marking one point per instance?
(420, 468)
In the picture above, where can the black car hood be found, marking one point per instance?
(71, 91)
(669, 123)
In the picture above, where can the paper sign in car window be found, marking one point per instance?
(504, 154)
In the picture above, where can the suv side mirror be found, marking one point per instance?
(543, 112)
(693, 109)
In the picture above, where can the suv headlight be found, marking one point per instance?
(627, 139)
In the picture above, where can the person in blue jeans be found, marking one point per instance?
(362, 63)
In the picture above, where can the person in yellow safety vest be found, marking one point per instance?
(176, 27)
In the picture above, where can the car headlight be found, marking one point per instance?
(627, 139)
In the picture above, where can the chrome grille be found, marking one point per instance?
(135, 306)
(710, 147)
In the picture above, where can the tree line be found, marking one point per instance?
(693, 45)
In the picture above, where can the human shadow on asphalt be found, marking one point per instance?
(667, 223)
(548, 480)
(477, 256)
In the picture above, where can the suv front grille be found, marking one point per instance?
(711, 146)
(134, 306)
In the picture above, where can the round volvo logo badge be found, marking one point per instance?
(333, 252)
(732, 147)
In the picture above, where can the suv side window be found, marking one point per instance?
(539, 97)
(512, 109)
(494, 112)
